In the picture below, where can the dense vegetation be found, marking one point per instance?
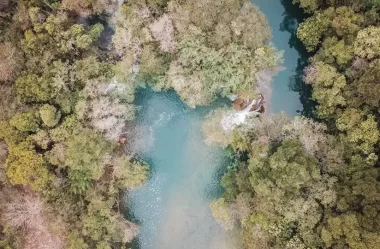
(201, 49)
(67, 91)
(61, 168)
(303, 184)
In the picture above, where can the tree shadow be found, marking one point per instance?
(293, 16)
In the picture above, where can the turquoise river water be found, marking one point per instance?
(172, 209)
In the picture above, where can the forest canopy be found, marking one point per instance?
(67, 91)
(201, 49)
(313, 183)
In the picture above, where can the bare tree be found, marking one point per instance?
(11, 61)
(310, 74)
(130, 230)
(105, 113)
(163, 31)
(3, 157)
(4, 5)
(24, 211)
(312, 135)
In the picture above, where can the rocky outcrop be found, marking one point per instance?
(240, 104)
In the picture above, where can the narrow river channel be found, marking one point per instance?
(173, 207)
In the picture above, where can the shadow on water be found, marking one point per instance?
(293, 15)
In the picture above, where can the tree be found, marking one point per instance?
(163, 31)
(27, 121)
(250, 27)
(312, 135)
(85, 8)
(201, 72)
(335, 52)
(129, 174)
(361, 130)
(311, 30)
(308, 5)
(55, 157)
(76, 242)
(42, 139)
(101, 224)
(328, 86)
(216, 56)
(221, 212)
(279, 182)
(367, 42)
(31, 88)
(11, 62)
(87, 151)
(22, 211)
(50, 115)
(340, 22)
(64, 131)
(366, 88)
(24, 166)
(105, 113)
(345, 230)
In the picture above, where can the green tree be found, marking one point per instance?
(24, 166)
(308, 5)
(50, 115)
(201, 72)
(367, 43)
(361, 130)
(42, 139)
(335, 52)
(340, 22)
(31, 88)
(87, 151)
(101, 224)
(311, 30)
(345, 230)
(366, 88)
(221, 212)
(328, 85)
(130, 174)
(76, 242)
(65, 129)
(27, 121)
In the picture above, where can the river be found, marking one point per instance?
(173, 207)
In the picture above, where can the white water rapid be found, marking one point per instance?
(233, 118)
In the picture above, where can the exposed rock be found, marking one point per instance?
(239, 104)
(123, 140)
(257, 104)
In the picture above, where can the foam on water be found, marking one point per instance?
(234, 118)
